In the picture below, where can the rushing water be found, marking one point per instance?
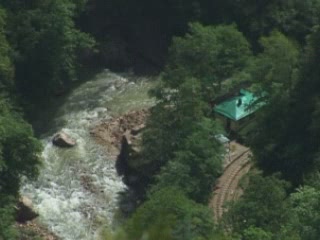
(76, 192)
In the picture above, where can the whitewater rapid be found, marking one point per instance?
(77, 190)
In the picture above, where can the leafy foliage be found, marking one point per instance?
(19, 150)
(6, 70)
(183, 218)
(46, 44)
(180, 140)
(7, 217)
(253, 233)
(198, 163)
(293, 17)
(19, 156)
(40, 49)
(304, 214)
(208, 53)
(286, 135)
(274, 71)
(263, 206)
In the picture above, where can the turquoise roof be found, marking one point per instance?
(238, 107)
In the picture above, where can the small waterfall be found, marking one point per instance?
(76, 192)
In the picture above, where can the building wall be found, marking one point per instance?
(231, 125)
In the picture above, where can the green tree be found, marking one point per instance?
(262, 206)
(304, 217)
(299, 20)
(253, 233)
(46, 44)
(274, 75)
(20, 150)
(172, 120)
(184, 218)
(208, 53)
(285, 140)
(197, 164)
(258, 18)
(19, 156)
(274, 71)
(7, 212)
(178, 132)
(6, 69)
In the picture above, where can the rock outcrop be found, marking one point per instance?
(26, 221)
(110, 132)
(25, 211)
(36, 229)
(63, 140)
(128, 158)
(122, 137)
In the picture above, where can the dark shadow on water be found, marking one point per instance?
(43, 114)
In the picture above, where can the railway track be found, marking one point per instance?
(227, 187)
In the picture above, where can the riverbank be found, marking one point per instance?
(109, 132)
(34, 230)
(76, 193)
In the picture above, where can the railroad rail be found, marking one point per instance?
(226, 188)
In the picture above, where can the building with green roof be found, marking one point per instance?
(237, 108)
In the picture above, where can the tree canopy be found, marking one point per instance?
(205, 51)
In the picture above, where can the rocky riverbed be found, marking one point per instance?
(77, 191)
(31, 229)
(109, 132)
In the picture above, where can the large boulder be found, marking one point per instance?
(129, 158)
(25, 211)
(62, 139)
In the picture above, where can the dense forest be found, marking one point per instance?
(202, 50)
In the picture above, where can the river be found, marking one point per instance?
(76, 192)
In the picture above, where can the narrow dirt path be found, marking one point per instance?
(237, 165)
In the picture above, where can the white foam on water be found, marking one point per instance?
(76, 192)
